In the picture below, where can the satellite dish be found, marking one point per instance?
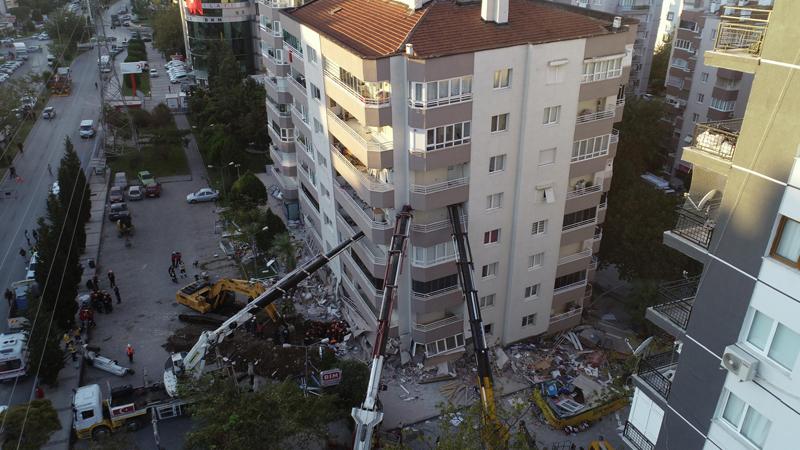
(270, 263)
(643, 346)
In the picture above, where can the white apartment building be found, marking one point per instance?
(506, 108)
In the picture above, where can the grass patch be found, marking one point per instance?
(161, 161)
(142, 84)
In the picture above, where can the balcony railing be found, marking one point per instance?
(435, 226)
(279, 83)
(658, 370)
(434, 294)
(585, 253)
(614, 136)
(439, 187)
(570, 287)
(742, 32)
(372, 145)
(275, 107)
(607, 113)
(300, 116)
(378, 99)
(438, 323)
(298, 84)
(637, 438)
(679, 296)
(295, 52)
(371, 183)
(598, 234)
(717, 138)
(575, 193)
(697, 225)
(280, 3)
(566, 315)
(594, 263)
(283, 159)
(352, 287)
(378, 224)
(581, 224)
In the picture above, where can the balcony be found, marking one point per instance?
(427, 231)
(439, 195)
(361, 141)
(371, 221)
(657, 372)
(368, 101)
(277, 89)
(556, 318)
(450, 297)
(438, 329)
(278, 109)
(587, 117)
(297, 87)
(570, 287)
(673, 315)
(740, 38)
(374, 191)
(365, 249)
(636, 439)
(288, 184)
(714, 144)
(585, 253)
(283, 159)
(696, 223)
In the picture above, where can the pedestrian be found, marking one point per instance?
(73, 352)
(116, 294)
(28, 240)
(183, 270)
(95, 84)
(89, 284)
(9, 297)
(39, 392)
(173, 259)
(112, 278)
(35, 236)
(95, 283)
(169, 89)
(67, 340)
(171, 272)
(26, 233)
(129, 352)
(178, 258)
(76, 335)
(22, 253)
(108, 305)
(13, 171)
(50, 170)
(19, 146)
(92, 323)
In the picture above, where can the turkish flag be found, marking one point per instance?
(195, 7)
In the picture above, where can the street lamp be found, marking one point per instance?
(237, 168)
(306, 389)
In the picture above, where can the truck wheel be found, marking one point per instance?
(133, 425)
(101, 432)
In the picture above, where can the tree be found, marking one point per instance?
(230, 419)
(659, 68)
(248, 191)
(351, 391)
(285, 249)
(638, 214)
(39, 419)
(44, 343)
(167, 34)
(67, 30)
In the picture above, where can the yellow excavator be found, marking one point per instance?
(204, 296)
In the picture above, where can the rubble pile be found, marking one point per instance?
(335, 331)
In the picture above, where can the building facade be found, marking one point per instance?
(376, 105)
(649, 35)
(730, 381)
(206, 22)
(696, 91)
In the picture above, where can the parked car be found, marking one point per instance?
(117, 211)
(49, 113)
(55, 188)
(115, 195)
(87, 129)
(152, 188)
(30, 273)
(203, 195)
(120, 180)
(153, 73)
(135, 193)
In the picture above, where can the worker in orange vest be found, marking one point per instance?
(129, 352)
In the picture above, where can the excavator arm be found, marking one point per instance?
(368, 416)
(494, 433)
(193, 361)
(252, 289)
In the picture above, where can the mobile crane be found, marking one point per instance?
(493, 433)
(194, 362)
(368, 416)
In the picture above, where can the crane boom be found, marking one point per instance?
(494, 434)
(194, 361)
(368, 416)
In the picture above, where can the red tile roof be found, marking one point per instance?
(379, 28)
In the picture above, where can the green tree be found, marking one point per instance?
(659, 68)
(233, 420)
(285, 249)
(167, 31)
(44, 342)
(39, 419)
(66, 30)
(351, 391)
(248, 191)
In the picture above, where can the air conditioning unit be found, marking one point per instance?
(739, 363)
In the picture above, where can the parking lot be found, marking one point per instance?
(36, 62)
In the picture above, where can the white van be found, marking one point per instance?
(87, 129)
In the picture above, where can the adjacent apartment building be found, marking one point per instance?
(504, 107)
(731, 379)
(649, 34)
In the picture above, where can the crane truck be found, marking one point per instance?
(369, 416)
(193, 362)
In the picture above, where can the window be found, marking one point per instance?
(433, 286)
(704, 77)
(570, 280)
(436, 254)
(680, 63)
(292, 41)
(590, 148)
(601, 69)
(579, 218)
(489, 270)
(530, 319)
(547, 156)
(497, 163)
(326, 219)
(499, 123)
(321, 160)
(551, 115)
(502, 78)
(700, 98)
(745, 420)
(487, 301)
(315, 91)
(683, 44)
(539, 227)
(723, 105)
(494, 201)
(675, 81)
(774, 339)
(325, 192)
(535, 261)
(695, 117)
(547, 194)
(444, 345)
(487, 328)
(532, 291)
(442, 92)
(555, 71)
(447, 136)
(317, 126)
(786, 246)
(670, 15)
(311, 54)
(88, 414)
(276, 28)
(688, 25)
(491, 237)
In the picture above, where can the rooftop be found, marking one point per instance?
(381, 28)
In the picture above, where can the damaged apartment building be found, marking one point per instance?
(504, 107)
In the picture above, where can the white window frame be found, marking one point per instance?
(441, 345)
(448, 136)
(429, 94)
(704, 77)
(603, 68)
(552, 114)
(487, 301)
(701, 97)
(539, 227)
(502, 78)
(746, 409)
(765, 352)
(317, 126)
(536, 261)
(722, 105)
(315, 92)
(490, 270)
(491, 237)
(683, 44)
(497, 121)
(528, 320)
(542, 152)
(592, 147)
(312, 54)
(532, 291)
(433, 255)
(497, 163)
(494, 201)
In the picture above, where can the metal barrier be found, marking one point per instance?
(637, 438)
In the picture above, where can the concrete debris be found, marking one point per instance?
(501, 359)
